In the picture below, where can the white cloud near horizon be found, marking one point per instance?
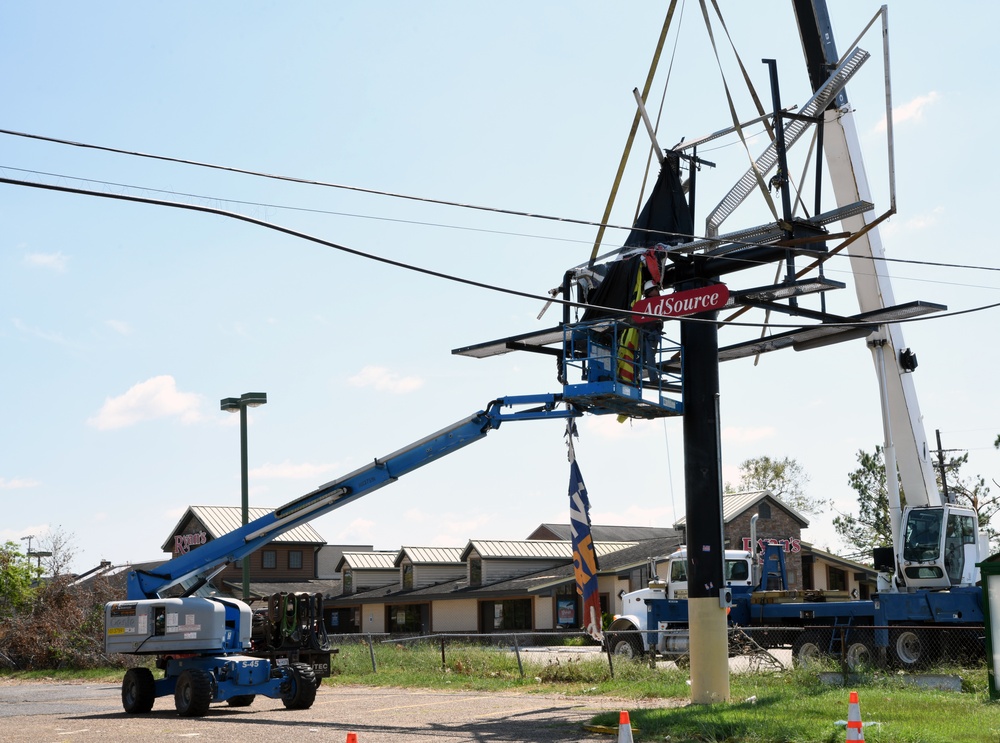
(910, 111)
(384, 380)
(157, 397)
(51, 261)
(737, 435)
(17, 483)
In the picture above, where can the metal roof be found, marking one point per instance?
(534, 549)
(429, 555)
(734, 504)
(219, 520)
(605, 533)
(381, 560)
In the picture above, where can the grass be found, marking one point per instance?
(772, 707)
(766, 707)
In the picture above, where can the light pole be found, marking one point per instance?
(240, 405)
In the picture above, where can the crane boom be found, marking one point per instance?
(935, 543)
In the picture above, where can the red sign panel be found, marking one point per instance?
(678, 304)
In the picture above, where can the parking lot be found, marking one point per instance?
(45, 713)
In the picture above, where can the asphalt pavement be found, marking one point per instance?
(70, 713)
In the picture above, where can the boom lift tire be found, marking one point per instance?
(138, 691)
(241, 700)
(299, 688)
(193, 693)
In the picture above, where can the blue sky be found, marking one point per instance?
(122, 325)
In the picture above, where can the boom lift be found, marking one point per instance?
(202, 643)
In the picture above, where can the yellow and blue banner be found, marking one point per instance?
(584, 556)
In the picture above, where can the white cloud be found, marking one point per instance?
(45, 335)
(290, 471)
(737, 435)
(17, 483)
(357, 531)
(608, 428)
(157, 397)
(50, 261)
(119, 326)
(634, 516)
(911, 111)
(384, 380)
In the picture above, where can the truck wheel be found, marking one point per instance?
(299, 687)
(860, 652)
(908, 649)
(241, 700)
(138, 691)
(626, 646)
(193, 693)
(809, 648)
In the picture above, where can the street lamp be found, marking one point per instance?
(240, 405)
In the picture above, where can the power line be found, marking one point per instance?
(440, 225)
(390, 194)
(427, 271)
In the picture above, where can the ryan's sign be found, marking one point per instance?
(678, 304)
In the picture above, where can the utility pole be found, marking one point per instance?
(703, 502)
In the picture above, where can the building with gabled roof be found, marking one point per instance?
(603, 532)
(491, 560)
(288, 563)
(777, 523)
(532, 587)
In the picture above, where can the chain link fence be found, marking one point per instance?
(848, 649)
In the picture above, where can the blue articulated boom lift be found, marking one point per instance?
(203, 643)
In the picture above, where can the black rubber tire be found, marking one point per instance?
(810, 648)
(241, 700)
(299, 687)
(138, 691)
(193, 693)
(626, 646)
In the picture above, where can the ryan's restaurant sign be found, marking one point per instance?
(678, 304)
(184, 542)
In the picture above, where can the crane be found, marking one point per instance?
(936, 542)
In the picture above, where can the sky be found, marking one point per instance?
(122, 325)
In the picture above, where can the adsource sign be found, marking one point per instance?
(678, 304)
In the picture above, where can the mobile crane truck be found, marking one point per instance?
(928, 577)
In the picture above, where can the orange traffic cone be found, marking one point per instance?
(854, 727)
(352, 738)
(624, 728)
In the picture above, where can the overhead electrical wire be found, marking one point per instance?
(430, 272)
(440, 225)
(389, 194)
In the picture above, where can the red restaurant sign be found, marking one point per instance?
(678, 304)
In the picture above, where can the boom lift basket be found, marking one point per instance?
(625, 368)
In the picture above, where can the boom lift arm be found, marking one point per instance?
(201, 563)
